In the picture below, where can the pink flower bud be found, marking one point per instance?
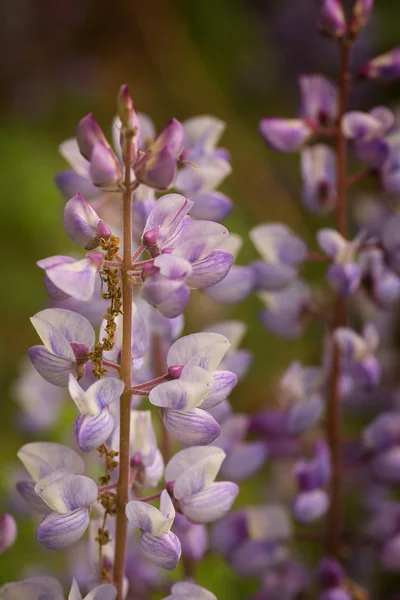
(361, 12)
(175, 371)
(8, 532)
(88, 133)
(385, 67)
(332, 21)
(83, 224)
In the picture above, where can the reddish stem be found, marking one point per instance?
(105, 488)
(150, 498)
(108, 363)
(138, 253)
(334, 532)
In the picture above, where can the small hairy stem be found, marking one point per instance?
(152, 382)
(357, 177)
(105, 488)
(317, 257)
(126, 377)
(138, 253)
(150, 498)
(334, 531)
(110, 364)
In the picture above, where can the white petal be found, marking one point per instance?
(41, 458)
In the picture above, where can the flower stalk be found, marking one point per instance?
(339, 320)
(126, 377)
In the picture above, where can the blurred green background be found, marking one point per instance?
(235, 59)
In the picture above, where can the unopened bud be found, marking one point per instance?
(332, 21)
(8, 532)
(361, 12)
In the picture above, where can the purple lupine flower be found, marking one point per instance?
(385, 465)
(195, 385)
(39, 401)
(286, 135)
(319, 99)
(193, 537)
(357, 352)
(386, 66)
(312, 476)
(34, 588)
(210, 166)
(185, 590)
(195, 261)
(236, 359)
(332, 21)
(300, 390)
(157, 167)
(344, 275)
(282, 251)
(331, 577)
(59, 485)
(273, 428)
(378, 280)
(358, 125)
(8, 532)
(94, 425)
(157, 542)
(68, 338)
(83, 224)
(288, 311)
(391, 242)
(368, 131)
(77, 178)
(390, 171)
(239, 282)
(165, 222)
(146, 457)
(318, 168)
(104, 167)
(285, 582)
(243, 458)
(383, 432)
(191, 473)
(253, 539)
(199, 182)
(101, 592)
(318, 107)
(73, 278)
(361, 13)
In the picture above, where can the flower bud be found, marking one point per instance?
(158, 165)
(385, 67)
(361, 12)
(105, 169)
(286, 135)
(332, 21)
(83, 224)
(8, 532)
(125, 106)
(130, 125)
(88, 133)
(330, 573)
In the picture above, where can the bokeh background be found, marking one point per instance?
(235, 59)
